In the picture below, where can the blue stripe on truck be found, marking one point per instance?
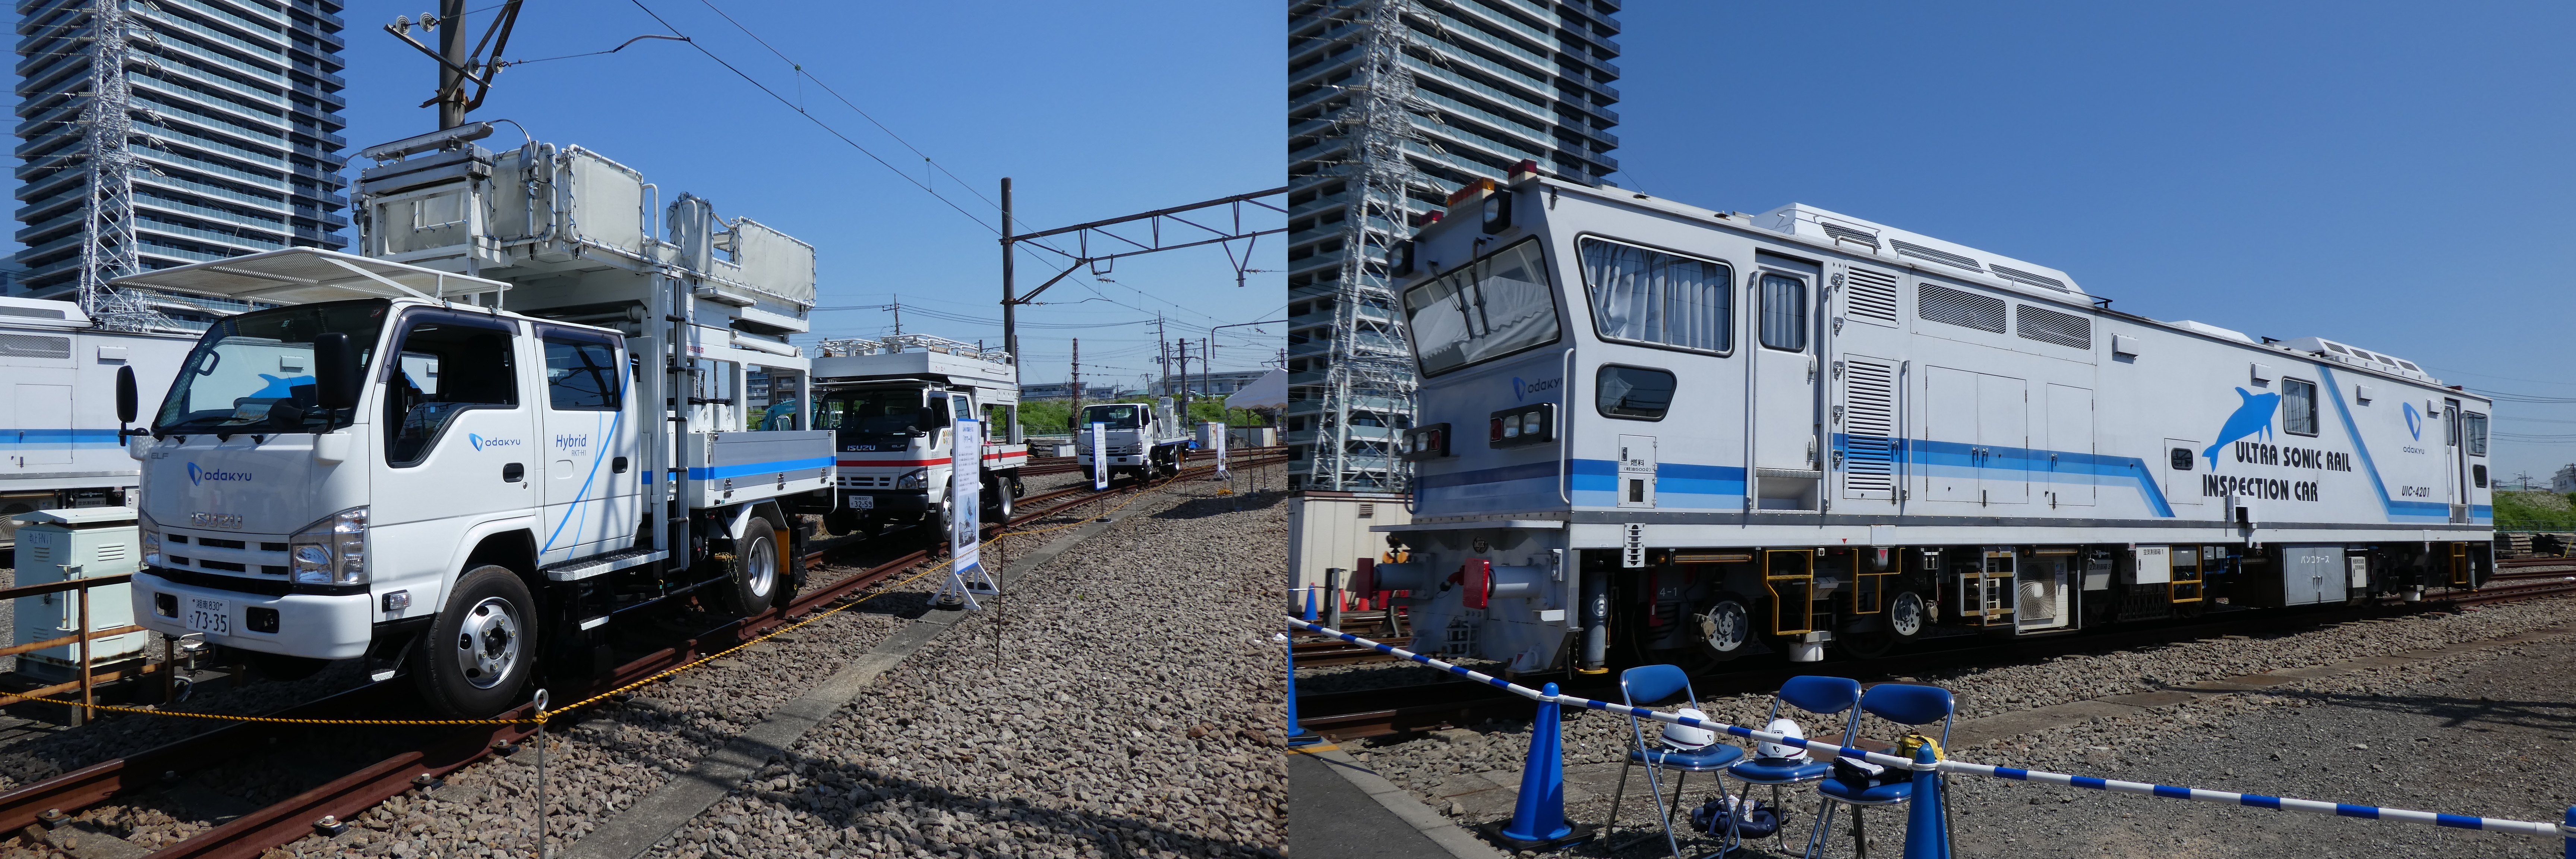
(721, 472)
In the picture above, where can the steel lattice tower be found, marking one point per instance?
(107, 245)
(1371, 371)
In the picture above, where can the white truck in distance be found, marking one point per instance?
(889, 403)
(58, 445)
(1147, 441)
(397, 468)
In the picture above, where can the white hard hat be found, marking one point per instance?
(1687, 738)
(1786, 728)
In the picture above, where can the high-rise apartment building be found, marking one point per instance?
(1493, 83)
(236, 119)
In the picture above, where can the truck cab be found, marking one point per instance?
(889, 404)
(1145, 440)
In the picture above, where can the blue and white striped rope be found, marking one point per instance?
(2367, 812)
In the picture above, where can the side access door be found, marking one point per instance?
(458, 442)
(592, 486)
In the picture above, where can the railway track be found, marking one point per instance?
(435, 753)
(1433, 706)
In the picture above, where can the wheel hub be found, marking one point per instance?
(760, 568)
(487, 643)
(1725, 626)
(1906, 616)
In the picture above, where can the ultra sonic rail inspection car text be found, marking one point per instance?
(419, 476)
(1705, 433)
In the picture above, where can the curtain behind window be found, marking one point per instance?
(1784, 312)
(1655, 297)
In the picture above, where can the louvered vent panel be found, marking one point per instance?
(33, 312)
(1936, 255)
(108, 552)
(1849, 234)
(2049, 326)
(2029, 278)
(31, 346)
(1869, 428)
(1872, 296)
(1943, 304)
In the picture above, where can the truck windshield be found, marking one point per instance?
(881, 413)
(254, 372)
(1117, 416)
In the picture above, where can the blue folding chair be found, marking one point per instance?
(1901, 703)
(1820, 696)
(1651, 685)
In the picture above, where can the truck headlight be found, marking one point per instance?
(332, 551)
(910, 480)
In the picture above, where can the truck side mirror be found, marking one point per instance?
(128, 400)
(335, 372)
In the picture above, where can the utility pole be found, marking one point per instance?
(451, 74)
(1162, 358)
(1076, 414)
(897, 307)
(1185, 380)
(1010, 302)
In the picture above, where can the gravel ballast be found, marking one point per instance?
(2378, 703)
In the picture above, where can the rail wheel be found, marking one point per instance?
(842, 522)
(482, 648)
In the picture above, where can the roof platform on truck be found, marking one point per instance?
(311, 275)
(921, 357)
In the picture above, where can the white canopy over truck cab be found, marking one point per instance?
(889, 403)
(397, 467)
(1145, 440)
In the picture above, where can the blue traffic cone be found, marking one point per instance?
(1297, 735)
(1538, 818)
(1925, 837)
(2571, 825)
(1310, 603)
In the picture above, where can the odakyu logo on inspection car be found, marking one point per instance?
(2253, 418)
(199, 476)
(481, 443)
(2414, 421)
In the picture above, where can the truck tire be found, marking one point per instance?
(755, 575)
(997, 496)
(482, 648)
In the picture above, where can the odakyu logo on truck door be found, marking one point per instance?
(481, 443)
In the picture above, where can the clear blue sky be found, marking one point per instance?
(1096, 110)
(2394, 176)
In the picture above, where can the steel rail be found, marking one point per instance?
(341, 799)
(1424, 707)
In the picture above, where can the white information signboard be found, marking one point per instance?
(1099, 457)
(1216, 443)
(967, 577)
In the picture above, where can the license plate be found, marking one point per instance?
(863, 502)
(214, 617)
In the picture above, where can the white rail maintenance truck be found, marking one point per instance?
(1144, 440)
(58, 444)
(467, 477)
(889, 404)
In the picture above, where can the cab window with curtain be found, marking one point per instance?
(1496, 306)
(1649, 296)
(1784, 312)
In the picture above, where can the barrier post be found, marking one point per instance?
(1297, 735)
(1538, 815)
(1925, 837)
(2571, 832)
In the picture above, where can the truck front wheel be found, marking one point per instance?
(997, 496)
(482, 648)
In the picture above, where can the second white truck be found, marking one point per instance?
(889, 404)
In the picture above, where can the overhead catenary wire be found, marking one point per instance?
(818, 121)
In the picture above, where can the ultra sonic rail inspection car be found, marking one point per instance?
(1698, 432)
(890, 404)
(58, 443)
(399, 468)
